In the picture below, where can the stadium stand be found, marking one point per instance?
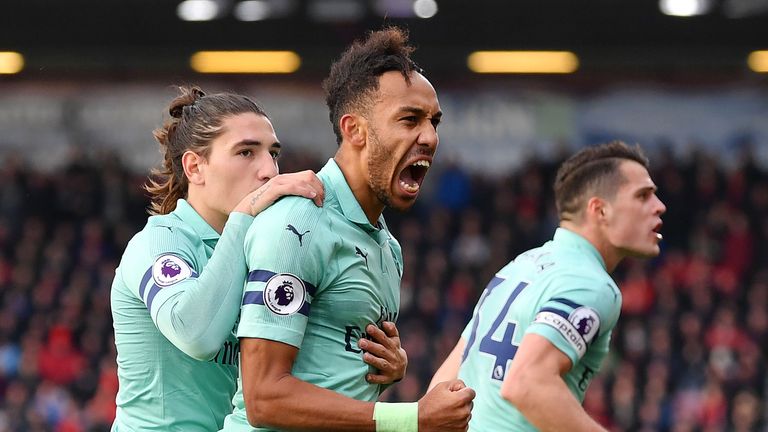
(688, 354)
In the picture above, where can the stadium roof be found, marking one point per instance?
(147, 36)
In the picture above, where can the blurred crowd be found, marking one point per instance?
(688, 353)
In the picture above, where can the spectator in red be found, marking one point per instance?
(59, 361)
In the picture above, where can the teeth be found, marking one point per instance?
(422, 163)
(408, 187)
(659, 236)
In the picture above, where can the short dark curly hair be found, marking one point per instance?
(593, 171)
(354, 77)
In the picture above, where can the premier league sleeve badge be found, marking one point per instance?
(284, 294)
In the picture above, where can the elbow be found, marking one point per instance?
(259, 411)
(255, 417)
(514, 394)
(203, 354)
(266, 402)
(199, 339)
(201, 350)
(515, 388)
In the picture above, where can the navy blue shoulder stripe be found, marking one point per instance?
(265, 275)
(253, 297)
(156, 289)
(494, 282)
(555, 311)
(257, 297)
(143, 283)
(566, 302)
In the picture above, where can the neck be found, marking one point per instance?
(214, 218)
(611, 256)
(355, 171)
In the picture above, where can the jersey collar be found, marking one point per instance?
(339, 188)
(186, 213)
(566, 237)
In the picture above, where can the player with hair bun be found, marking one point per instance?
(175, 299)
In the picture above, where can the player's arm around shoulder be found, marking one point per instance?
(193, 306)
(160, 269)
(304, 184)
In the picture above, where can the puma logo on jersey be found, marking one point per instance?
(293, 229)
(362, 254)
(545, 266)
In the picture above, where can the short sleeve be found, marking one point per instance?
(287, 249)
(574, 317)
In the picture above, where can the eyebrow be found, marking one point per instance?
(255, 143)
(420, 112)
(645, 189)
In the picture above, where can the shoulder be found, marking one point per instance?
(169, 222)
(585, 292)
(579, 265)
(579, 282)
(162, 228)
(289, 207)
(299, 212)
(291, 221)
(579, 275)
(165, 234)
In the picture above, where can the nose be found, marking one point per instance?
(267, 167)
(428, 136)
(661, 207)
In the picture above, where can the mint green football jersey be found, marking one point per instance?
(560, 291)
(317, 277)
(174, 306)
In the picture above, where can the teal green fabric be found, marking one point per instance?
(317, 277)
(174, 305)
(560, 291)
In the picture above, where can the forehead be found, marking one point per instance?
(394, 92)
(636, 176)
(247, 126)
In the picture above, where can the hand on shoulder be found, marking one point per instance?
(303, 183)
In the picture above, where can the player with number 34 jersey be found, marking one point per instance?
(559, 291)
(542, 327)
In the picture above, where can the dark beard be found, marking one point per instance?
(378, 162)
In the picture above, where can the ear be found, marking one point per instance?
(597, 210)
(354, 129)
(193, 167)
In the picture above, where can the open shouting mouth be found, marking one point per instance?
(412, 176)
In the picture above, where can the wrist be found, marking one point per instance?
(396, 417)
(239, 217)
